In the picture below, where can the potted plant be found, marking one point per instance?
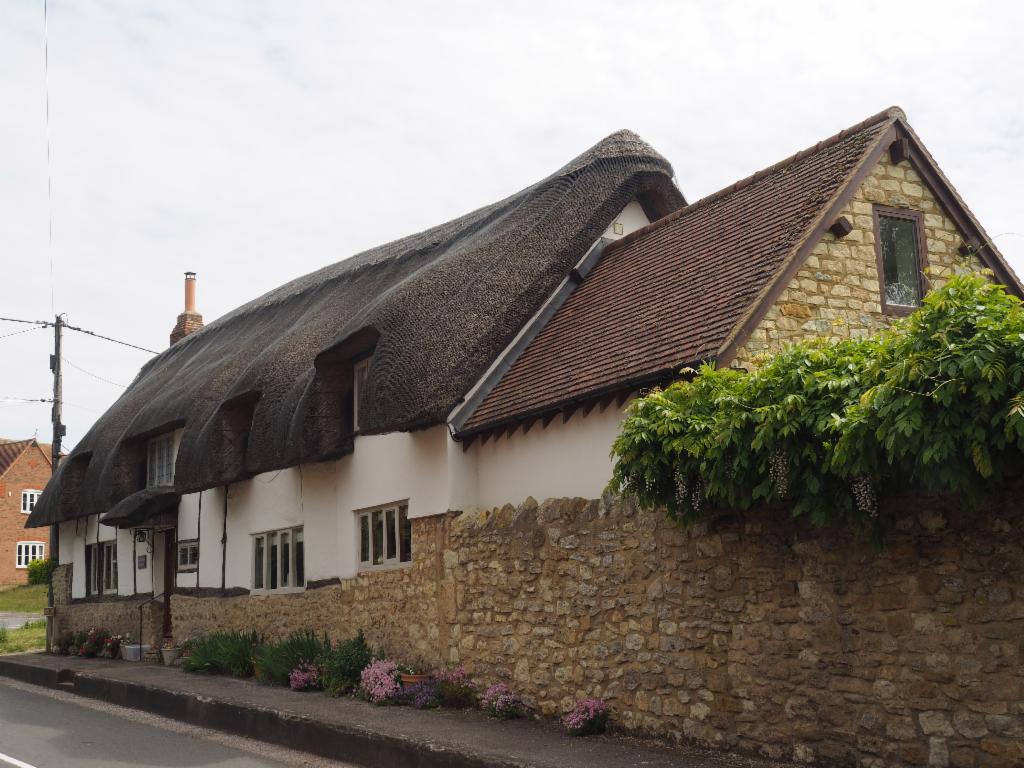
(413, 674)
(170, 652)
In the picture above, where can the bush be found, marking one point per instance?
(341, 666)
(94, 642)
(305, 677)
(379, 682)
(40, 571)
(499, 701)
(424, 695)
(936, 402)
(274, 662)
(224, 653)
(456, 688)
(589, 716)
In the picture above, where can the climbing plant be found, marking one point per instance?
(825, 429)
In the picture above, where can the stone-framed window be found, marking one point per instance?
(29, 551)
(101, 568)
(29, 497)
(360, 374)
(901, 251)
(279, 561)
(188, 555)
(160, 461)
(385, 536)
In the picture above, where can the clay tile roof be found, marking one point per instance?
(672, 293)
(10, 452)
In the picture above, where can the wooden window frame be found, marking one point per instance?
(907, 214)
(265, 588)
(386, 563)
(187, 545)
(30, 547)
(360, 375)
(31, 496)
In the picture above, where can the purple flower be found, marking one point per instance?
(499, 701)
(379, 681)
(305, 677)
(423, 695)
(588, 716)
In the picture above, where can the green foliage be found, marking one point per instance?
(275, 661)
(340, 667)
(935, 402)
(224, 653)
(40, 571)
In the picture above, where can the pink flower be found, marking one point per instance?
(499, 701)
(305, 677)
(379, 681)
(588, 716)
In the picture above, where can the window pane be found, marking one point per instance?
(364, 538)
(273, 561)
(405, 534)
(193, 558)
(300, 560)
(378, 537)
(286, 564)
(391, 532)
(900, 261)
(257, 563)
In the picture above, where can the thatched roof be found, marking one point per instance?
(266, 386)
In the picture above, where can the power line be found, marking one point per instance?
(90, 373)
(24, 330)
(107, 338)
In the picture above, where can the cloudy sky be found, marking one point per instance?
(255, 141)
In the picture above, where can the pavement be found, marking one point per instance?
(16, 620)
(344, 728)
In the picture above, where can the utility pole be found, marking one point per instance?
(58, 433)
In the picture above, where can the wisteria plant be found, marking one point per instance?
(589, 716)
(500, 701)
(379, 682)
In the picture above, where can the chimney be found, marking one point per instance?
(189, 321)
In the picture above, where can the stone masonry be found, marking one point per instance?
(748, 633)
(836, 294)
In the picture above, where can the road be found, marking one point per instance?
(15, 620)
(40, 728)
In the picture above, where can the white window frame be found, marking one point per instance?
(360, 374)
(261, 586)
(190, 548)
(160, 458)
(366, 520)
(27, 551)
(29, 497)
(108, 586)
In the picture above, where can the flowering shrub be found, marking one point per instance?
(379, 682)
(456, 688)
(111, 646)
(92, 644)
(499, 701)
(305, 677)
(425, 695)
(587, 717)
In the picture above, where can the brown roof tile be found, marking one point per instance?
(672, 293)
(10, 452)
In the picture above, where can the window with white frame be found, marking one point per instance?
(29, 497)
(385, 536)
(188, 555)
(109, 558)
(160, 461)
(360, 374)
(29, 551)
(101, 568)
(278, 560)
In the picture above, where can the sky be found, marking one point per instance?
(252, 142)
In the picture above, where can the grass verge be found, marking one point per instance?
(31, 637)
(24, 599)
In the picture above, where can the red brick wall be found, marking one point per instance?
(30, 471)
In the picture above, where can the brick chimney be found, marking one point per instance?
(189, 321)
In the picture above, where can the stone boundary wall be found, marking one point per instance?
(748, 633)
(118, 615)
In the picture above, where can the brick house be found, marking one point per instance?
(24, 472)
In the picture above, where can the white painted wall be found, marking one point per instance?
(562, 459)
(629, 220)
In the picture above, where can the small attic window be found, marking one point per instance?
(900, 250)
(360, 375)
(160, 461)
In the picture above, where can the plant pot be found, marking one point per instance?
(170, 655)
(408, 680)
(134, 651)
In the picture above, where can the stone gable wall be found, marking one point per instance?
(836, 294)
(749, 633)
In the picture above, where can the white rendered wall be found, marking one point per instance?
(629, 220)
(561, 460)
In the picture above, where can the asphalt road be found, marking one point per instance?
(15, 620)
(40, 728)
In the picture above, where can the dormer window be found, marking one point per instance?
(900, 249)
(160, 462)
(360, 375)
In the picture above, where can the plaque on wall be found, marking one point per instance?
(142, 559)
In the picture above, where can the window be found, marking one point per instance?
(360, 373)
(188, 555)
(900, 249)
(28, 500)
(160, 464)
(29, 551)
(385, 536)
(278, 560)
(101, 568)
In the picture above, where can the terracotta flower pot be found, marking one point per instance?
(408, 680)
